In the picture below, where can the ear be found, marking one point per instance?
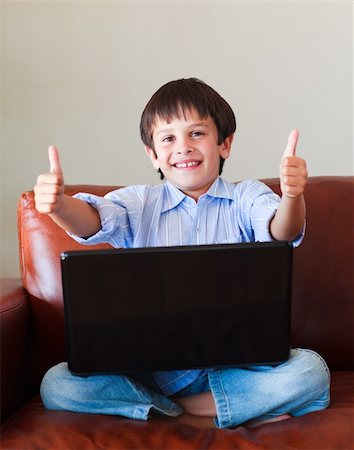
(225, 148)
(153, 157)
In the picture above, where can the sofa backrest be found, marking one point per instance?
(322, 288)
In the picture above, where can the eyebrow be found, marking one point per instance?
(169, 130)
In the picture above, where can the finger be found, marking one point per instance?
(48, 179)
(46, 202)
(293, 166)
(291, 145)
(50, 187)
(294, 181)
(48, 198)
(46, 205)
(54, 161)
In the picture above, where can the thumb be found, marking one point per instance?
(291, 145)
(54, 161)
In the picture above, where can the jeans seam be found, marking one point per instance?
(220, 398)
(150, 403)
(320, 358)
(320, 403)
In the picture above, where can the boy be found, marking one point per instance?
(188, 129)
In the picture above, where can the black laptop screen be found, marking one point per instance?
(177, 307)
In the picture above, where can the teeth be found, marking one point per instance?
(189, 164)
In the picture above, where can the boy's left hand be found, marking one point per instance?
(293, 172)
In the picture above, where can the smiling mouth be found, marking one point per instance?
(184, 165)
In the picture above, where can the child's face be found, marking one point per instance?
(187, 152)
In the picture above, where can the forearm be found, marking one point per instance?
(289, 218)
(77, 217)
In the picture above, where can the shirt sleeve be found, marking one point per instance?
(115, 228)
(260, 205)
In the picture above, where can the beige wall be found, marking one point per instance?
(78, 74)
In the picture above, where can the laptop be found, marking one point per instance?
(169, 308)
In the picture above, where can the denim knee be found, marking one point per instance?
(102, 394)
(53, 386)
(314, 369)
(314, 365)
(298, 386)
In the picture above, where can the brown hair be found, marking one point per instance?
(173, 98)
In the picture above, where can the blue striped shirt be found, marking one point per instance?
(162, 215)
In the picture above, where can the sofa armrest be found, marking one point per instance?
(14, 318)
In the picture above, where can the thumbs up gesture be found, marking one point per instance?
(293, 172)
(49, 189)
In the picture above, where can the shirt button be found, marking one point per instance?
(197, 230)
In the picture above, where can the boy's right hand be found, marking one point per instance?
(49, 189)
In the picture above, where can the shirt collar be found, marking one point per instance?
(173, 196)
(221, 189)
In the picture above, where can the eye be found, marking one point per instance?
(167, 139)
(197, 133)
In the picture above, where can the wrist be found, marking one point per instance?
(293, 198)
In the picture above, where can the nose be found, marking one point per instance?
(184, 151)
(185, 147)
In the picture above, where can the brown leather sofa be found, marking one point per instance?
(33, 339)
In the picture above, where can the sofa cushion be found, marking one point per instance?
(34, 427)
(14, 334)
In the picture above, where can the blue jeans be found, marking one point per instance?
(296, 387)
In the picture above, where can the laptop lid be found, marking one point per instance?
(177, 307)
